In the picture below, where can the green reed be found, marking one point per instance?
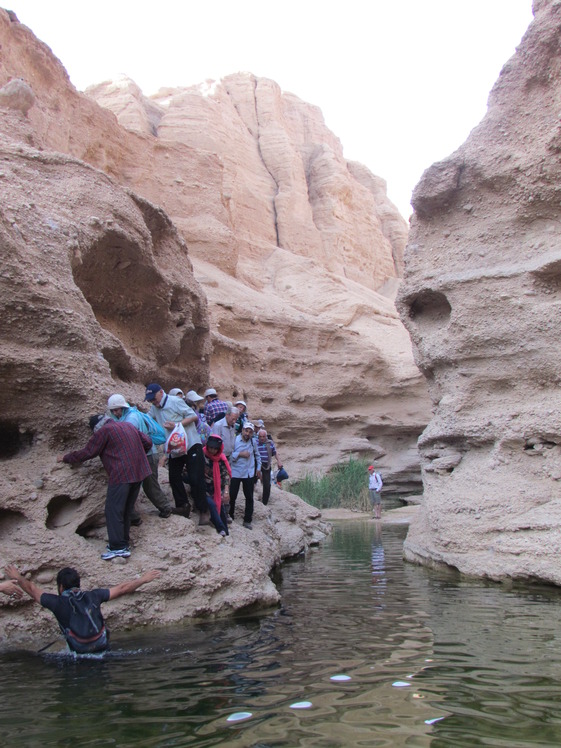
(345, 485)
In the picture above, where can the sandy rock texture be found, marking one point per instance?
(481, 299)
(297, 250)
(210, 235)
(202, 574)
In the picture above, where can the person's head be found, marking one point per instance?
(232, 416)
(96, 422)
(116, 405)
(210, 394)
(154, 393)
(371, 469)
(67, 579)
(194, 399)
(262, 436)
(176, 392)
(214, 445)
(241, 406)
(259, 424)
(247, 431)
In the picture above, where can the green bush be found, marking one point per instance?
(345, 485)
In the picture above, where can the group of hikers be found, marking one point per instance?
(210, 447)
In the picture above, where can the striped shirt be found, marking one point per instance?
(122, 450)
(264, 452)
(214, 410)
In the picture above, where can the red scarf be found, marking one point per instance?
(215, 459)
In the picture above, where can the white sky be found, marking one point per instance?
(400, 82)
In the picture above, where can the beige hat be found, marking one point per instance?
(117, 401)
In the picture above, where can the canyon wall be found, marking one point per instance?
(297, 251)
(482, 300)
(213, 235)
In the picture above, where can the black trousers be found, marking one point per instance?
(248, 484)
(266, 483)
(194, 462)
(119, 504)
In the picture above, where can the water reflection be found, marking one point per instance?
(431, 661)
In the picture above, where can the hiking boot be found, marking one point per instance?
(248, 525)
(183, 511)
(136, 522)
(119, 552)
(204, 518)
(165, 513)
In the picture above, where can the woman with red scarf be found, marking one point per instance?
(217, 481)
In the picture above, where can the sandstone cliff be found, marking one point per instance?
(297, 250)
(481, 301)
(210, 235)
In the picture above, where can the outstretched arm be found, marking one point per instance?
(26, 585)
(11, 588)
(125, 588)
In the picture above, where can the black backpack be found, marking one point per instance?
(86, 631)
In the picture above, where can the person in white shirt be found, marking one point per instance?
(375, 490)
(168, 410)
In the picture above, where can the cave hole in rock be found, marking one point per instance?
(88, 528)
(429, 309)
(127, 294)
(10, 521)
(13, 439)
(539, 443)
(119, 364)
(61, 510)
(547, 278)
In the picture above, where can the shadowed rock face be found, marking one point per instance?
(481, 300)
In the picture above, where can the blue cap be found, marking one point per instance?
(151, 390)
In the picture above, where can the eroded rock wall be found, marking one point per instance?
(283, 234)
(299, 261)
(481, 299)
(296, 252)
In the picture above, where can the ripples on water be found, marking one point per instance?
(433, 661)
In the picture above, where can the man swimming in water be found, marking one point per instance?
(78, 613)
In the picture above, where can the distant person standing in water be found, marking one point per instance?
(375, 490)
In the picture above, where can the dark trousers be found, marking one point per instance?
(248, 485)
(175, 467)
(151, 486)
(218, 519)
(266, 483)
(119, 503)
(194, 462)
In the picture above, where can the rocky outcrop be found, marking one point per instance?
(203, 574)
(309, 249)
(298, 251)
(481, 301)
(288, 303)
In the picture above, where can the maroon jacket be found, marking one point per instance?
(122, 450)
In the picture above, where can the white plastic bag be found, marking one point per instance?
(176, 444)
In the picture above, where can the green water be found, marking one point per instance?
(482, 661)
